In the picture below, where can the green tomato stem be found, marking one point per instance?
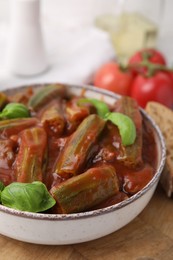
(151, 67)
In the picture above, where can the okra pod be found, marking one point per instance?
(45, 95)
(30, 161)
(133, 153)
(78, 148)
(52, 119)
(3, 100)
(75, 114)
(7, 176)
(110, 145)
(14, 126)
(84, 191)
(7, 154)
(7, 158)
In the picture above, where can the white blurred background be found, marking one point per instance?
(65, 12)
(67, 28)
(82, 12)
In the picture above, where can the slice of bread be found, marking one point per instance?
(163, 117)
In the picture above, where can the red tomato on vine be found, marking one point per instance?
(152, 55)
(158, 87)
(114, 78)
(137, 61)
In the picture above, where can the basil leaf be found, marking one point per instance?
(101, 107)
(125, 125)
(1, 189)
(15, 110)
(32, 197)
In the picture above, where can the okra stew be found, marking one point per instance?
(61, 153)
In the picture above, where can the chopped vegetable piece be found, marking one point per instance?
(78, 148)
(125, 125)
(101, 107)
(45, 95)
(10, 127)
(15, 110)
(30, 161)
(86, 190)
(133, 153)
(32, 197)
(110, 145)
(53, 119)
(3, 100)
(75, 114)
(1, 189)
(7, 155)
(7, 176)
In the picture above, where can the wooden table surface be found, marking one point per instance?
(148, 237)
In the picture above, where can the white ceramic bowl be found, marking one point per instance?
(80, 227)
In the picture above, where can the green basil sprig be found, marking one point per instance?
(14, 110)
(32, 197)
(124, 123)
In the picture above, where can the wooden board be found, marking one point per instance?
(147, 237)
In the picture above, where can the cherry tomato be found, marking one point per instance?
(153, 55)
(111, 77)
(158, 87)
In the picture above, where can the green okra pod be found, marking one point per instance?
(53, 119)
(3, 100)
(125, 124)
(132, 153)
(10, 127)
(45, 95)
(75, 114)
(84, 191)
(79, 146)
(30, 161)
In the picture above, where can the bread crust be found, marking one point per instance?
(163, 117)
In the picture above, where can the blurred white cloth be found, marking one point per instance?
(73, 55)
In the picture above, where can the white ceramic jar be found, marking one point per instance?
(26, 53)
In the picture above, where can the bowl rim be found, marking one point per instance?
(102, 211)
